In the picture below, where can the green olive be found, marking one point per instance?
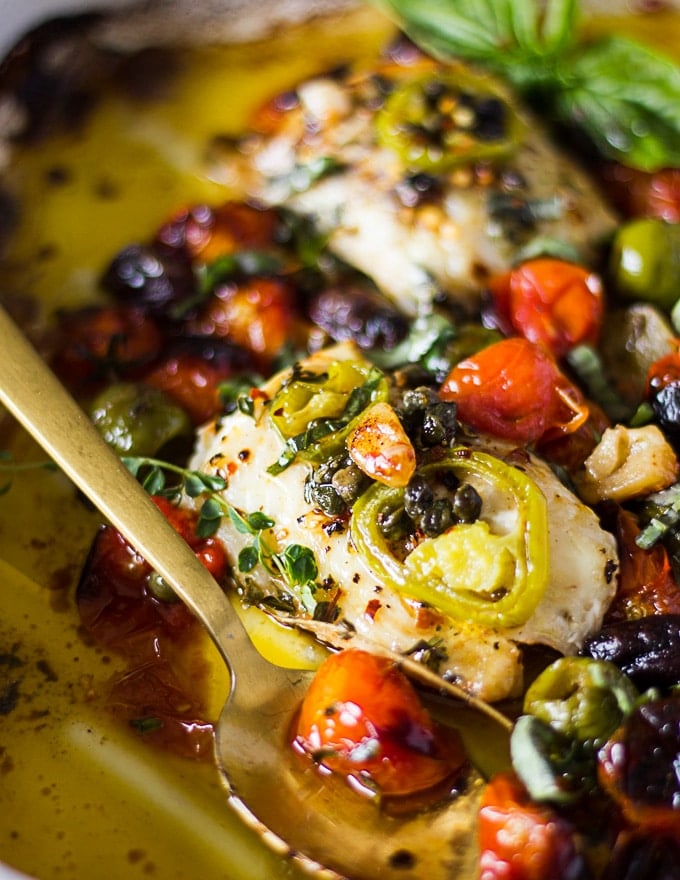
(645, 261)
(582, 698)
(445, 120)
(135, 419)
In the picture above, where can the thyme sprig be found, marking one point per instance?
(295, 564)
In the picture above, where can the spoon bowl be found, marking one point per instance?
(317, 822)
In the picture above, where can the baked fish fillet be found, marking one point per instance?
(420, 235)
(487, 662)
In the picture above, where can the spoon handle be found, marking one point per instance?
(33, 394)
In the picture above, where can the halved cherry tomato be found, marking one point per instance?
(552, 302)
(646, 582)
(521, 840)
(515, 390)
(362, 718)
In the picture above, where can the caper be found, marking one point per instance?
(348, 482)
(418, 496)
(439, 424)
(392, 522)
(160, 588)
(645, 261)
(467, 503)
(327, 499)
(416, 399)
(437, 518)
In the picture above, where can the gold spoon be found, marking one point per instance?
(319, 823)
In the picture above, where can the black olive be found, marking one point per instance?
(358, 314)
(666, 409)
(150, 277)
(647, 649)
(645, 857)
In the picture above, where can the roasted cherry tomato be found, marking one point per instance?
(97, 344)
(646, 582)
(207, 233)
(638, 766)
(550, 301)
(257, 314)
(157, 693)
(362, 718)
(191, 373)
(514, 389)
(521, 840)
(644, 194)
(663, 372)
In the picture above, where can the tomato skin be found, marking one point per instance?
(551, 302)
(513, 389)
(257, 314)
(521, 840)
(646, 582)
(98, 342)
(663, 372)
(644, 194)
(206, 233)
(362, 718)
(162, 691)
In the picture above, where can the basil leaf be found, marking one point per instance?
(626, 98)
(503, 34)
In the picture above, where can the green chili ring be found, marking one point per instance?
(421, 576)
(314, 413)
(452, 134)
(584, 699)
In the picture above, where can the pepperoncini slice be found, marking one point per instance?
(315, 411)
(584, 699)
(448, 119)
(493, 571)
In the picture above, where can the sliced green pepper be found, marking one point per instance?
(469, 571)
(584, 699)
(445, 120)
(314, 412)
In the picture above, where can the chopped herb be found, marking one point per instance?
(662, 512)
(295, 565)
